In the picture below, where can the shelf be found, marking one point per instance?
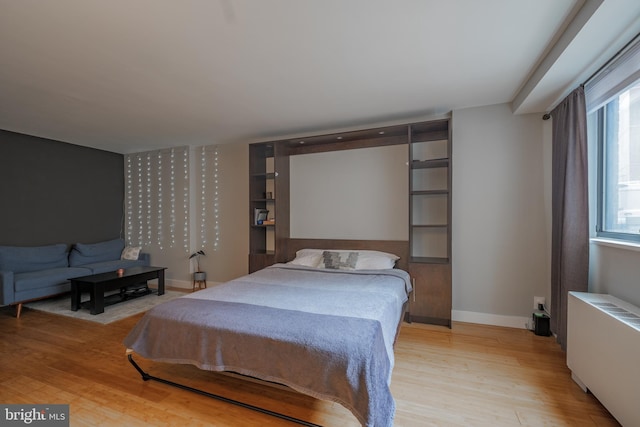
(262, 253)
(429, 260)
(430, 222)
(367, 138)
(431, 163)
(266, 175)
(428, 192)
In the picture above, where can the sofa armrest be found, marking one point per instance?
(7, 294)
(145, 258)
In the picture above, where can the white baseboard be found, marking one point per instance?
(578, 381)
(490, 319)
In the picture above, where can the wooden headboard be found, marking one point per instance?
(397, 247)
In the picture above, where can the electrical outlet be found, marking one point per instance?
(538, 300)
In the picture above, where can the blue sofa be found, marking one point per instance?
(30, 273)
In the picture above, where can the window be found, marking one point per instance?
(613, 105)
(617, 132)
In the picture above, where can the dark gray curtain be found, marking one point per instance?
(570, 212)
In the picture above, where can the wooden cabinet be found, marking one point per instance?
(430, 221)
(429, 243)
(269, 183)
(268, 190)
(431, 298)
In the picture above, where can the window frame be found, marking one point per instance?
(601, 141)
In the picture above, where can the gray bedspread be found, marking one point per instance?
(325, 333)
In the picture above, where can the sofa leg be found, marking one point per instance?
(18, 310)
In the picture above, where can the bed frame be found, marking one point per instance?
(397, 247)
(147, 377)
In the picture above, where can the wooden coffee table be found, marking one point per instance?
(98, 284)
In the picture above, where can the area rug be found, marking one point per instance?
(62, 305)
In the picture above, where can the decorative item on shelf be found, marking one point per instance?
(269, 222)
(268, 195)
(260, 215)
(199, 277)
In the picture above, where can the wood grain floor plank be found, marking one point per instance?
(469, 375)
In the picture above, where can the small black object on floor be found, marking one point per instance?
(541, 324)
(126, 293)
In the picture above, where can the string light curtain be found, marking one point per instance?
(207, 203)
(157, 199)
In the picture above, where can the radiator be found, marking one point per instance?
(603, 352)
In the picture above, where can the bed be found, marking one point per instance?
(326, 331)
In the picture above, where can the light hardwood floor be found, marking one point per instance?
(470, 375)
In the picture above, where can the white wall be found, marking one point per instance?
(500, 215)
(230, 259)
(350, 194)
(615, 271)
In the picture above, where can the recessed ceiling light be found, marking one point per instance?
(301, 142)
(338, 137)
(381, 132)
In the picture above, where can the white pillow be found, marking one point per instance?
(131, 252)
(307, 258)
(374, 260)
(367, 260)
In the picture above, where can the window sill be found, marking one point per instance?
(620, 244)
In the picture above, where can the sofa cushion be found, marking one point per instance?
(83, 253)
(46, 278)
(24, 259)
(105, 266)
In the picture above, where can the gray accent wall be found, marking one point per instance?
(54, 192)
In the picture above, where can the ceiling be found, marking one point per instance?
(136, 75)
